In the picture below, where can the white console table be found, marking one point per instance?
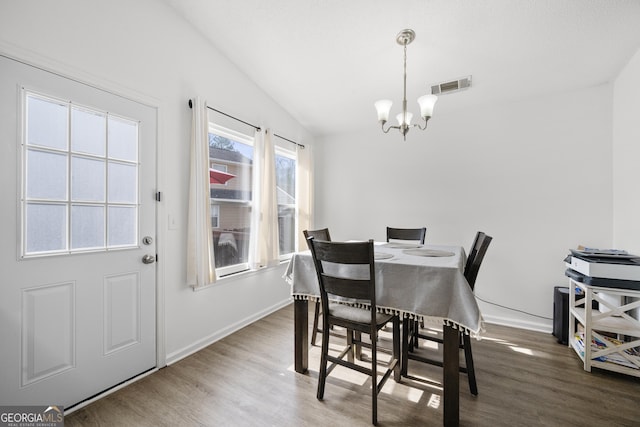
(615, 331)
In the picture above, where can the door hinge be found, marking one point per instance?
(158, 196)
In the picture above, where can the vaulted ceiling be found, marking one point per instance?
(328, 61)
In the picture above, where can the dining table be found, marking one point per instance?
(413, 281)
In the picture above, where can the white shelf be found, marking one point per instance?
(614, 354)
(614, 324)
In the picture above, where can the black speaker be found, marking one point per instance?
(561, 314)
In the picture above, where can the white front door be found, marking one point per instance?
(77, 302)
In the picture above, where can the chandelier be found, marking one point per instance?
(426, 102)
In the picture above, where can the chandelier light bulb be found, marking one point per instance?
(401, 121)
(383, 107)
(427, 102)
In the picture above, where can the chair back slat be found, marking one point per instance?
(417, 234)
(343, 252)
(320, 234)
(345, 269)
(476, 255)
(347, 288)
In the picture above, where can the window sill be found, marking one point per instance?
(240, 275)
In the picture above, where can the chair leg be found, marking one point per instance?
(407, 331)
(316, 315)
(416, 334)
(374, 403)
(352, 349)
(374, 379)
(322, 375)
(410, 331)
(468, 357)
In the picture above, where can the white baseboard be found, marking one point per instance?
(543, 326)
(218, 335)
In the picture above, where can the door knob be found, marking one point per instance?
(148, 259)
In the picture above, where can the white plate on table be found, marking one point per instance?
(402, 245)
(428, 252)
(382, 255)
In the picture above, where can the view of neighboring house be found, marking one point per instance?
(230, 180)
(230, 206)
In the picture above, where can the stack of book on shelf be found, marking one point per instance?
(629, 357)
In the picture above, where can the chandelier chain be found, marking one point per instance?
(404, 94)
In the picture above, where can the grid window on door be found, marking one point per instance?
(80, 175)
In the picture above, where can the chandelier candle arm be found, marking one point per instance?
(426, 102)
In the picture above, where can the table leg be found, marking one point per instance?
(451, 381)
(301, 335)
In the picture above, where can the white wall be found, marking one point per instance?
(536, 174)
(141, 48)
(626, 157)
(542, 184)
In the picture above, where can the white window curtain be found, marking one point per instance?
(304, 198)
(200, 262)
(263, 248)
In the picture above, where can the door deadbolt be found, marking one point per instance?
(147, 240)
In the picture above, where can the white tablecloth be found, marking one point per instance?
(420, 286)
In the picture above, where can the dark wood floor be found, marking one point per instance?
(247, 379)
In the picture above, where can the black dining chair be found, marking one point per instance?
(331, 260)
(406, 234)
(409, 235)
(320, 234)
(474, 260)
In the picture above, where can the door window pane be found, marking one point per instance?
(87, 227)
(122, 183)
(47, 123)
(123, 139)
(46, 175)
(88, 131)
(122, 226)
(46, 227)
(87, 179)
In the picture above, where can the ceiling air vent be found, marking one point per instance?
(451, 86)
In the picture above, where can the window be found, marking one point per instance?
(286, 194)
(215, 216)
(233, 206)
(230, 161)
(218, 174)
(80, 175)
